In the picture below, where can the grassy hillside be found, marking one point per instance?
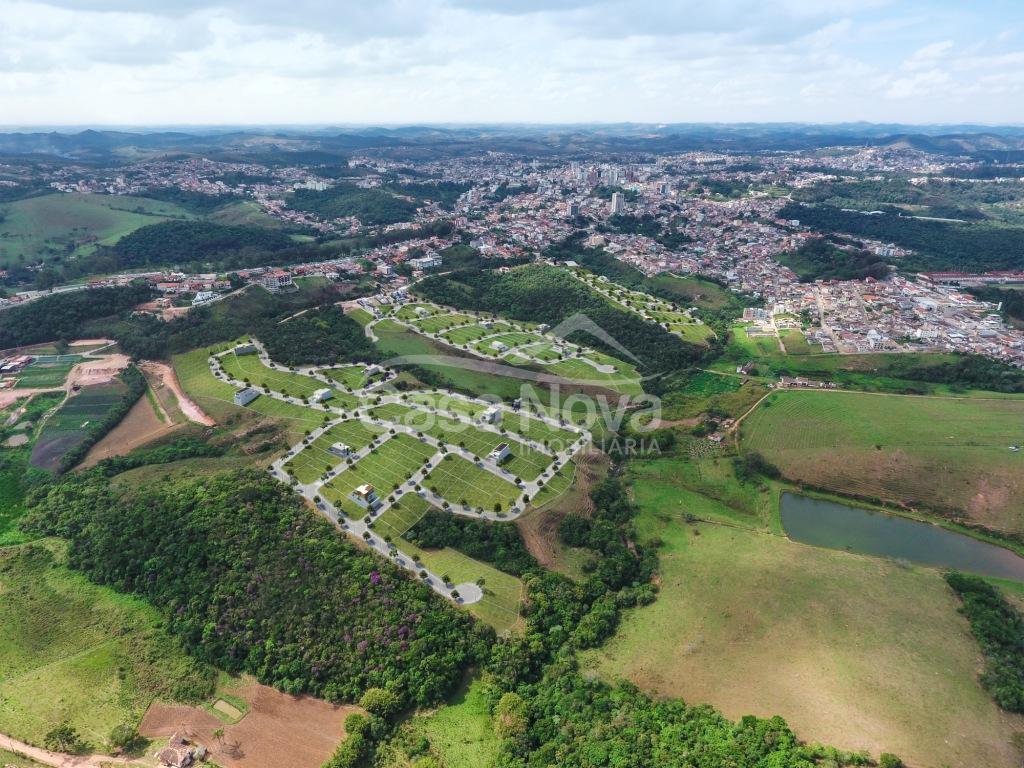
(947, 454)
(70, 650)
(59, 225)
(852, 651)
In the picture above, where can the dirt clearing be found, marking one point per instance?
(97, 371)
(162, 375)
(279, 730)
(141, 426)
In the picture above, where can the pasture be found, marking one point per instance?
(71, 650)
(694, 291)
(461, 482)
(853, 651)
(948, 455)
(55, 225)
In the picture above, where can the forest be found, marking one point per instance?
(371, 206)
(820, 259)
(549, 295)
(1012, 299)
(251, 581)
(939, 245)
(322, 336)
(496, 543)
(61, 316)
(182, 242)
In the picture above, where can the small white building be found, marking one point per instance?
(246, 396)
(500, 453)
(323, 394)
(422, 312)
(491, 416)
(245, 349)
(498, 346)
(340, 449)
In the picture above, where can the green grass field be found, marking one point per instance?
(388, 466)
(316, 458)
(401, 516)
(465, 335)
(947, 454)
(461, 732)
(71, 650)
(695, 292)
(54, 225)
(503, 594)
(458, 480)
(439, 323)
(852, 651)
(250, 368)
(350, 376)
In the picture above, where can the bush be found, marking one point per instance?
(381, 702)
(64, 738)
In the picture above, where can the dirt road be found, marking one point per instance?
(59, 759)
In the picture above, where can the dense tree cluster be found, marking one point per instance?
(185, 242)
(819, 259)
(496, 543)
(370, 206)
(1012, 299)
(967, 372)
(62, 316)
(999, 629)
(252, 582)
(193, 202)
(939, 245)
(319, 337)
(444, 193)
(548, 295)
(183, 448)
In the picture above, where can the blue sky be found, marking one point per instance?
(401, 61)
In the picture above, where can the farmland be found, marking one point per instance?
(948, 455)
(51, 226)
(67, 427)
(840, 645)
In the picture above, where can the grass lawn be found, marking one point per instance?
(466, 334)
(211, 394)
(71, 650)
(250, 368)
(946, 454)
(439, 323)
(621, 380)
(389, 465)
(401, 516)
(458, 480)
(503, 594)
(409, 312)
(695, 292)
(54, 225)
(852, 651)
(350, 376)
(796, 342)
(315, 459)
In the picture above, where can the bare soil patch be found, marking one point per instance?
(139, 427)
(97, 371)
(162, 375)
(279, 730)
(539, 527)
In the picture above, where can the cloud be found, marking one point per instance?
(235, 61)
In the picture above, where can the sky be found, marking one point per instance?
(192, 62)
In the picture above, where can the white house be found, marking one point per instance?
(246, 396)
(322, 394)
(340, 449)
(500, 453)
(491, 416)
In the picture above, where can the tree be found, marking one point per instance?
(127, 739)
(63, 738)
(511, 716)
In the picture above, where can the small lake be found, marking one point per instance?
(837, 526)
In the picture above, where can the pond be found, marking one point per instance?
(838, 526)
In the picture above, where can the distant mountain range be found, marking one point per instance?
(1003, 143)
